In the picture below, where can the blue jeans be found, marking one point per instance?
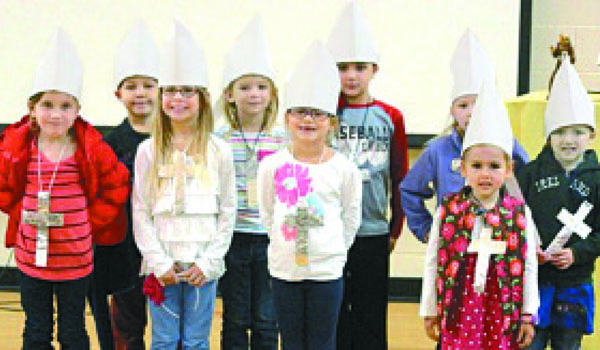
(308, 312)
(37, 300)
(185, 314)
(560, 338)
(248, 296)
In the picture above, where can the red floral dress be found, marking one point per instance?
(471, 320)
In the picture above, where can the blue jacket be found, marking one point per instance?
(433, 174)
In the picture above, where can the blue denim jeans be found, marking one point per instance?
(37, 300)
(185, 314)
(560, 338)
(308, 312)
(248, 296)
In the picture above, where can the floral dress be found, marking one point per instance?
(472, 320)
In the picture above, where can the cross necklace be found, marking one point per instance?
(43, 218)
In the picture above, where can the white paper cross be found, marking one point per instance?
(572, 223)
(43, 219)
(178, 171)
(484, 246)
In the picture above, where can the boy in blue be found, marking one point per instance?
(562, 188)
(437, 171)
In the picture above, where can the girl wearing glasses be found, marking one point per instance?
(309, 201)
(249, 104)
(183, 201)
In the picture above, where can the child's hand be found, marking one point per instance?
(526, 333)
(563, 258)
(432, 327)
(194, 276)
(170, 277)
(542, 256)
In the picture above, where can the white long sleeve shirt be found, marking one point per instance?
(203, 232)
(335, 189)
(531, 300)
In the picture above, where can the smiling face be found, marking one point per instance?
(251, 95)
(355, 78)
(569, 144)
(309, 125)
(55, 113)
(461, 111)
(485, 167)
(181, 104)
(139, 95)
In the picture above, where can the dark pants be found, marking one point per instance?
(129, 315)
(98, 300)
(248, 296)
(307, 313)
(363, 316)
(37, 300)
(560, 338)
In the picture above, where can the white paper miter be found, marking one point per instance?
(489, 123)
(315, 82)
(470, 66)
(137, 55)
(59, 68)
(569, 102)
(350, 39)
(248, 55)
(182, 60)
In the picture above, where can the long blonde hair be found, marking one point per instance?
(269, 117)
(162, 133)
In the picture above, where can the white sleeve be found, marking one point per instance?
(211, 262)
(531, 297)
(144, 231)
(428, 292)
(266, 193)
(351, 203)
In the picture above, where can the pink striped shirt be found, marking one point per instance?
(70, 246)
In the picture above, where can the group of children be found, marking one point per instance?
(293, 223)
(512, 245)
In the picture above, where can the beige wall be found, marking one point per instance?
(580, 19)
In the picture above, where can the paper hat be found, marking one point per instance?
(315, 82)
(59, 68)
(249, 54)
(470, 66)
(137, 55)
(569, 103)
(351, 40)
(182, 60)
(489, 123)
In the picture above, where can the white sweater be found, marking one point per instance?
(531, 300)
(334, 190)
(203, 232)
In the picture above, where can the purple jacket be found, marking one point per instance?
(433, 174)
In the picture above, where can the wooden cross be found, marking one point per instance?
(303, 220)
(43, 219)
(484, 246)
(572, 224)
(178, 171)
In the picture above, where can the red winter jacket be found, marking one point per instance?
(106, 180)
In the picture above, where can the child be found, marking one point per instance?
(183, 200)
(249, 103)
(371, 134)
(479, 285)
(563, 182)
(309, 200)
(63, 190)
(437, 171)
(117, 267)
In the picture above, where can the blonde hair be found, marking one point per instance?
(269, 116)
(162, 133)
